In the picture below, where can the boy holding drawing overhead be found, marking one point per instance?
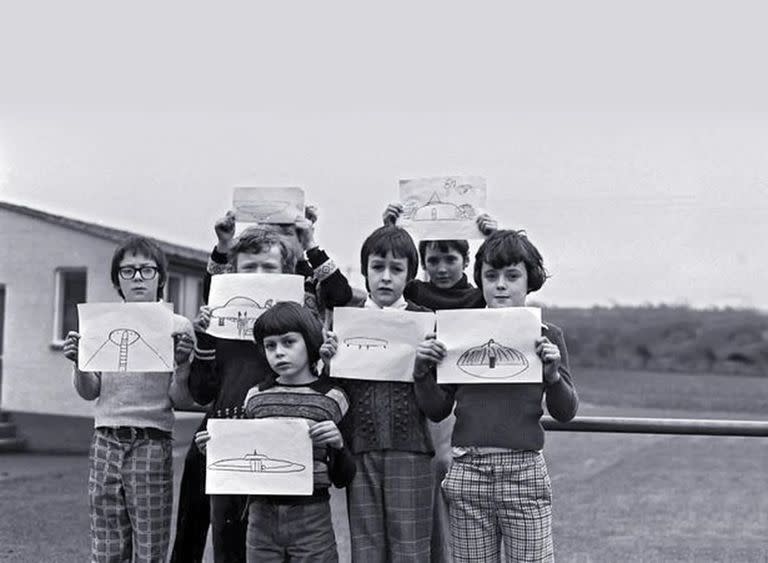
(130, 483)
(390, 498)
(224, 370)
(498, 488)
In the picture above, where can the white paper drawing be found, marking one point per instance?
(125, 337)
(237, 300)
(268, 205)
(259, 457)
(378, 344)
(490, 345)
(442, 207)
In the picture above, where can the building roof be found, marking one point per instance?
(176, 253)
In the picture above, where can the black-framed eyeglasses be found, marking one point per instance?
(145, 272)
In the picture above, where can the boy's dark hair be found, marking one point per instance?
(287, 316)
(389, 239)
(506, 247)
(460, 246)
(255, 240)
(140, 245)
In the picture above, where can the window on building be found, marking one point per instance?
(70, 290)
(175, 292)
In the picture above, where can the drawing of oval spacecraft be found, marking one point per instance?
(256, 463)
(241, 311)
(492, 361)
(124, 339)
(260, 211)
(438, 210)
(366, 342)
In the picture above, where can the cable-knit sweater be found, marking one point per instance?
(384, 415)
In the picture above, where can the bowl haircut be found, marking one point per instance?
(389, 239)
(255, 240)
(287, 316)
(139, 245)
(506, 247)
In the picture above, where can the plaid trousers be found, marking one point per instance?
(494, 497)
(390, 507)
(130, 491)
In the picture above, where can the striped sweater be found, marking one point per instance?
(316, 402)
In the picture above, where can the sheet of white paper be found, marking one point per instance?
(259, 457)
(490, 345)
(442, 207)
(268, 205)
(378, 344)
(125, 337)
(237, 300)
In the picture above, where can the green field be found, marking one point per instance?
(617, 497)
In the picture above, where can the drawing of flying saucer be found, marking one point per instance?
(260, 211)
(492, 361)
(365, 342)
(256, 463)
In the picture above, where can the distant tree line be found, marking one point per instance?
(666, 338)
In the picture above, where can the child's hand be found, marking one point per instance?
(430, 352)
(310, 212)
(305, 231)
(392, 213)
(201, 440)
(225, 232)
(550, 357)
(486, 224)
(329, 347)
(182, 347)
(326, 433)
(203, 319)
(70, 346)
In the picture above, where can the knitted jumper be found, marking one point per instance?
(460, 296)
(503, 415)
(385, 415)
(138, 399)
(315, 402)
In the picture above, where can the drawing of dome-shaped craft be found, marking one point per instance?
(240, 311)
(256, 463)
(129, 342)
(259, 211)
(437, 210)
(492, 361)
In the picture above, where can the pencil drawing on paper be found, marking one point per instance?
(435, 209)
(260, 211)
(124, 338)
(256, 463)
(235, 312)
(492, 361)
(366, 342)
(451, 186)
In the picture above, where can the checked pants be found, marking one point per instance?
(130, 490)
(495, 497)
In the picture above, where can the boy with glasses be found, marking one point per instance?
(130, 482)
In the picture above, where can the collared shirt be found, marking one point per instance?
(400, 304)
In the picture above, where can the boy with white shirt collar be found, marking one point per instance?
(390, 499)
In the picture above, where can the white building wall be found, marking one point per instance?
(36, 377)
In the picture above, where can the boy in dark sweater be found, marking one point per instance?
(498, 437)
(390, 499)
(224, 370)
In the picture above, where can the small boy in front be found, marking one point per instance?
(498, 488)
(130, 482)
(390, 499)
(286, 527)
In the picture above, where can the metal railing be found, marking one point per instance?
(694, 426)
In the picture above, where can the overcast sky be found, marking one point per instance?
(633, 147)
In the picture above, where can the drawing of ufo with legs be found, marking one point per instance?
(241, 312)
(366, 342)
(256, 463)
(492, 361)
